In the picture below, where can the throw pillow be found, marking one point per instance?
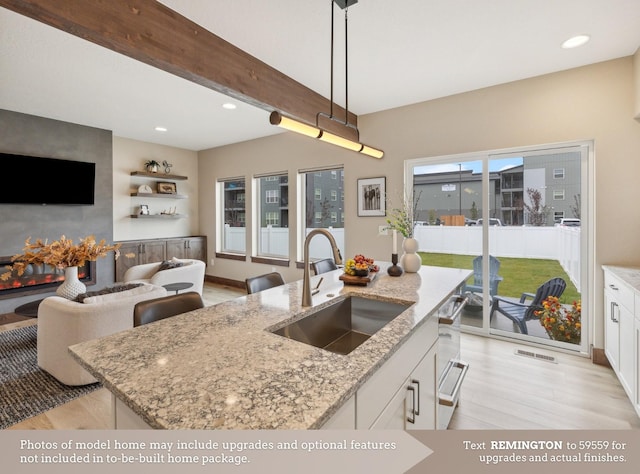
(168, 264)
(105, 291)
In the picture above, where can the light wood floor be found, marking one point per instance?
(501, 391)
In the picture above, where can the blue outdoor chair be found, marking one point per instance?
(494, 278)
(521, 312)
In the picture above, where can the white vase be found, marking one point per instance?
(71, 286)
(410, 261)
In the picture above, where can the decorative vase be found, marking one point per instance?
(410, 261)
(71, 286)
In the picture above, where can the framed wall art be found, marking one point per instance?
(166, 187)
(371, 197)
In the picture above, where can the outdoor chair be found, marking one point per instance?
(494, 278)
(263, 282)
(521, 312)
(323, 266)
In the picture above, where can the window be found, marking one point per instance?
(272, 196)
(558, 195)
(273, 216)
(233, 238)
(321, 208)
(558, 215)
(558, 173)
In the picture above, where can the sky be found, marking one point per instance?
(476, 166)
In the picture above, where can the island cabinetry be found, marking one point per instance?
(404, 388)
(413, 407)
(188, 247)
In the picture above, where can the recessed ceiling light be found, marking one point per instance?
(229, 106)
(161, 129)
(576, 41)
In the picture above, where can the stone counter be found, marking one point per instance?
(221, 368)
(631, 276)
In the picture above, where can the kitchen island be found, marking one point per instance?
(221, 367)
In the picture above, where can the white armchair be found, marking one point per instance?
(191, 271)
(63, 323)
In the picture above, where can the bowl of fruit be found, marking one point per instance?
(360, 266)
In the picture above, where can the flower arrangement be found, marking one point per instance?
(403, 218)
(60, 253)
(562, 323)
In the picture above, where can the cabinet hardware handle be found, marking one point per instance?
(450, 400)
(417, 382)
(412, 417)
(462, 302)
(613, 287)
(613, 309)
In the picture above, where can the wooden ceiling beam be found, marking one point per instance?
(152, 33)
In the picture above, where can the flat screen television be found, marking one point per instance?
(37, 180)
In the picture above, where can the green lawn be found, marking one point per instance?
(519, 274)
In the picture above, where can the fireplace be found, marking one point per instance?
(40, 279)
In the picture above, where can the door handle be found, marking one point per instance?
(417, 405)
(613, 311)
(412, 416)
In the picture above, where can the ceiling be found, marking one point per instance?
(399, 53)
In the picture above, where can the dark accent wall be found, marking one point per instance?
(31, 135)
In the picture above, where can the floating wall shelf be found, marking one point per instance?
(159, 176)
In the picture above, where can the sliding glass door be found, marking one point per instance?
(517, 219)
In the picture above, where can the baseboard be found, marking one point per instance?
(225, 281)
(598, 357)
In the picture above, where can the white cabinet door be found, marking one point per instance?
(394, 416)
(413, 407)
(626, 361)
(344, 418)
(636, 399)
(423, 378)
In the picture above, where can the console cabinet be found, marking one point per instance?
(157, 250)
(187, 247)
(622, 328)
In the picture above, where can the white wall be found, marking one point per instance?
(590, 103)
(130, 155)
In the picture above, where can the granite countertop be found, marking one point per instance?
(630, 276)
(219, 368)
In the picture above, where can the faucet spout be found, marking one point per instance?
(306, 279)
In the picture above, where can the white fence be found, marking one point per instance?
(275, 241)
(554, 243)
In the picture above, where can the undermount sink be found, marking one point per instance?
(344, 325)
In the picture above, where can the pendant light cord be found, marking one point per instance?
(346, 70)
(331, 110)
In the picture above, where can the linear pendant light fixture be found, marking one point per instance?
(315, 131)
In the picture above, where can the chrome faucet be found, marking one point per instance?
(306, 283)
